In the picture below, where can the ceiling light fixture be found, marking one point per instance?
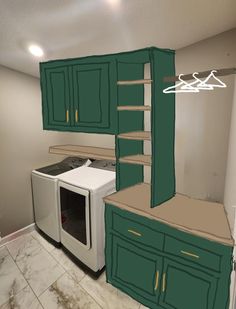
(114, 3)
(36, 50)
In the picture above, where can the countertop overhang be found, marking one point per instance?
(198, 217)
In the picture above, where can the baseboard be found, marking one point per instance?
(16, 234)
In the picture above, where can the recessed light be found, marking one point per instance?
(114, 3)
(36, 50)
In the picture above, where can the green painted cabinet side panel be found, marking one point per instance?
(187, 288)
(163, 129)
(129, 175)
(56, 103)
(130, 68)
(129, 121)
(129, 147)
(91, 94)
(134, 94)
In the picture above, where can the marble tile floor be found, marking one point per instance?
(36, 275)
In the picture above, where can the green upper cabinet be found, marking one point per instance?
(91, 95)
(57, 108)
(78, 95)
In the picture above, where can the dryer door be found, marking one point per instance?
(75, 216)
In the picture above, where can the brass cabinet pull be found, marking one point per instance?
(67, 115)
(76, 115)
(135, 233)
(157, 279)
(164, 282)
(190, 254)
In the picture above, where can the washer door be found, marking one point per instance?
(44, 191)
(75, 214)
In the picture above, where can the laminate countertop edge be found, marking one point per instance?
(193, 231)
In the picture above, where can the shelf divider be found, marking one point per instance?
(136, 135)
(139, 159)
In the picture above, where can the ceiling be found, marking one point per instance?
(74, 28)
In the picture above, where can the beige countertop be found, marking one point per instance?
(198, 217)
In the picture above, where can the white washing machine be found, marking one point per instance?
(80, 196)
(44, 190)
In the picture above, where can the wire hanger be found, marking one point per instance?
(198, 83)
(219, 85)
(172, 89)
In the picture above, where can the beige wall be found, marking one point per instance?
(24, 146)
(202, 130)
(230, 179)
(203, 120)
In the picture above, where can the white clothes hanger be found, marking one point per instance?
(219, 85)
(172, 89)
(198, 84)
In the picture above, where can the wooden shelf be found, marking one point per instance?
(141, 108)
(181, 212)
(84, 151)
(139, 159)
(136, 135)
(134, 82)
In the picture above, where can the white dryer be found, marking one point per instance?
(81, 205)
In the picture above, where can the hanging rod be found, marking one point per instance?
(220, 72)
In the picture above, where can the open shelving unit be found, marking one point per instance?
(142, 151)
(132, 160)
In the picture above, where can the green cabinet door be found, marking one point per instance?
(91, 95)
(56, 98)
(136, 271)
(185, 287)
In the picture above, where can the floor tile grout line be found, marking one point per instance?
(51, 284)
(40, 242)
(20, 273)
(35, 294)
(56, 259)
(23, 273)
(69, 274)
(66, 271)
(89, 294)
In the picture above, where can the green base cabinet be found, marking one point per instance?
(136, 270)
(185, 287)
(165, 268)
